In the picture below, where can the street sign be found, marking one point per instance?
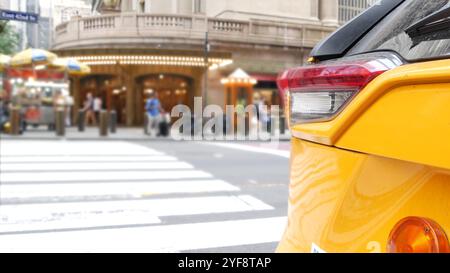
(19, 16)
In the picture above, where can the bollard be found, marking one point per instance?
(269, 125)
(15, 121)
(103, 124)
(81, 117)
(274, 125)
(193, 123)
(247, 125)
(146, 124)
(60, 123)
(224, 125)
(282, 124)
(113, 121)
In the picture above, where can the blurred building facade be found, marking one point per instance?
(64, 10)
(4, 4)
(51, 13)
(179, 48)
(348, 9)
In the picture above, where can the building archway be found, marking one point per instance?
(172, 89)
(109, 89)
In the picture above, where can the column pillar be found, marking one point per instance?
(76, 89)
(328, 11)
(130, 86)
(126, 5)
(162, 6)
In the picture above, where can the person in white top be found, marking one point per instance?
(264, 116)
(97, 107)
(69, 104)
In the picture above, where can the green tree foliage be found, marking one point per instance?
(9, 39)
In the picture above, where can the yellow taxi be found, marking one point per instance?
(370, 123)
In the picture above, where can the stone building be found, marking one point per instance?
(136, 47)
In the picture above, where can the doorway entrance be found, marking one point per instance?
(108, 89)
(172, 90)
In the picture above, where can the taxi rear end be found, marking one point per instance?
(370, 119)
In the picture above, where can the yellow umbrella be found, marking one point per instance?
(84, 69)
(4, 61)
(32, 56)
(72, 66)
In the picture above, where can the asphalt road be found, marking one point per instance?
(142, 196)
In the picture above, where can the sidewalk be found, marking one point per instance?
(93, 133)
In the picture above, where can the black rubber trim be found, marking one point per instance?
(342, 40)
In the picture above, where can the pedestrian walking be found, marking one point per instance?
(68, 110)
(88, 110)
(154, 110)
(263, 114)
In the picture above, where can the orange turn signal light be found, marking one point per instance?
(417, 235)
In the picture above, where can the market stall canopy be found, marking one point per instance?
(72, 66)
(32, 56)
(239, 76)
(4, 61)
(29, 73)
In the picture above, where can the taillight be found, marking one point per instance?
(283, 87)
(417, 235)
(319, 92)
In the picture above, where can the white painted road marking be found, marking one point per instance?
(36, 177)
(34, 217)
(35, 220)
(165, 238)
(16, 148)
(100, 166)
(68, 158)
(249, 148)
(107, 170)
(127, 189)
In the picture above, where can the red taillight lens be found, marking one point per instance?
(350, 76)
(283, 87)
(319, 92)
(417, 235)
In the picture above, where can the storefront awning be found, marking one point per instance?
(95, 57)
(36, 74)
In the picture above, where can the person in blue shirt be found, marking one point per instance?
(154, 110)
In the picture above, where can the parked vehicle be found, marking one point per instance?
(370, 119)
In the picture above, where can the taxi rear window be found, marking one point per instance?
(390, 33)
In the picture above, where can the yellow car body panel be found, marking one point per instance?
(385, 157)
(411, 123)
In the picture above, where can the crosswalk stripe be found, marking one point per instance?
(84, 159)
(98, 166)
(126, 189)
(16, 148)
(19, 218)
(248, 148)
(166, 238)
(36, 177)
(73, 220)
(31, 173)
